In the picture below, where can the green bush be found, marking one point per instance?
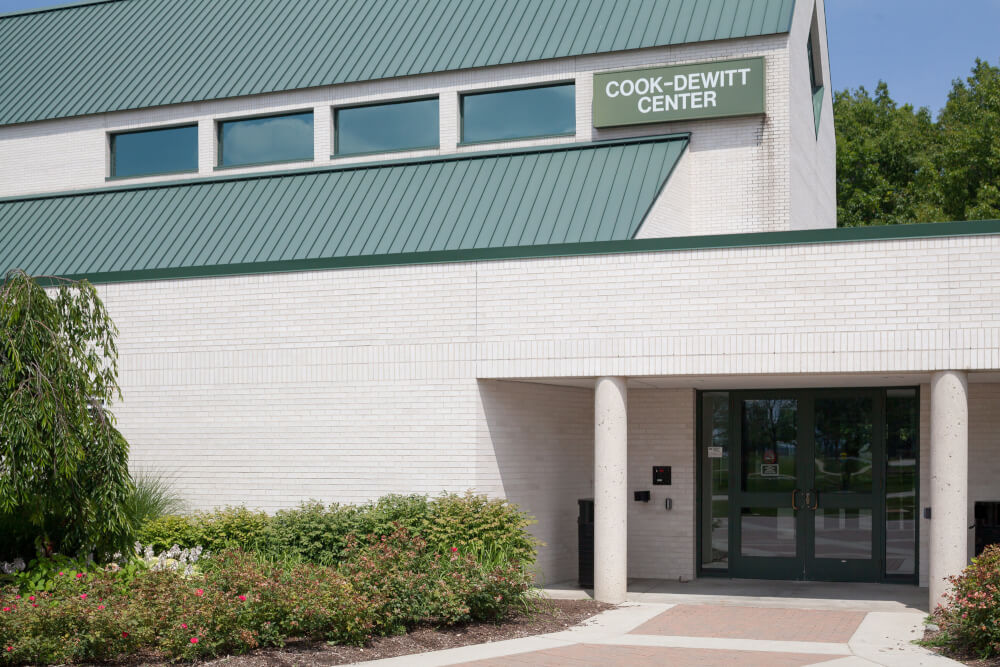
(970, 616)
(493, 530)
(239, 601)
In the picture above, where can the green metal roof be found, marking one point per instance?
(128, 54)
(560, 194)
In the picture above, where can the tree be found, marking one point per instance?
(970, 148)
(63, 464)
(896, 165)
(885, 160)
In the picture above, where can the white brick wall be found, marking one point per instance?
(739, 167)
(661, 543)
(536, 448)
(345, 385)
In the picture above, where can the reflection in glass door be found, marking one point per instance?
(844, 541)
(767, 530)
(810, 484)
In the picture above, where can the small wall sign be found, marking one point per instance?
(680, 92)
(769, 470)
(661, 475)
(715, 452)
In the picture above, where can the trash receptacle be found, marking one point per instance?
(585, 529)
(987, 525)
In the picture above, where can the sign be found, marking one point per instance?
(715, 452)
(680, 92)
(770, 456)
(768, 469)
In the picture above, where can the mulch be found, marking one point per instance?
(969, 659)
(552, 616)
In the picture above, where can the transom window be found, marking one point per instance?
(383, 128)
(151, 152)
(519, 114)
(268, 139)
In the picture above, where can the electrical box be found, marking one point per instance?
(661, 475)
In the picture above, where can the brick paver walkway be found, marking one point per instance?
(594, 655)
(797, 625)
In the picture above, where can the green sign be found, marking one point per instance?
(681, 92)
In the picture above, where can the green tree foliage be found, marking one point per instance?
(897, 165)
(63, 464)
(970, 147)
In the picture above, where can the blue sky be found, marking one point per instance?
(917, 46)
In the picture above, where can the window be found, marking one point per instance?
(815, 71)
(519, 114)
(150, 152)
(249, 141)
(381, 128)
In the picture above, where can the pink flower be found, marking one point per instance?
(6, 608)
(83, 596)
(199, 592)
(184, 626)
(100, 606)
(10, 648)
(124, 634)
(18, 597)
(79, 575)
(61, 573)
(194, 640)
(31, 597)
(454, 549)
(242, 598)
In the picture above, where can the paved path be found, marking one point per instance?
(713, 631)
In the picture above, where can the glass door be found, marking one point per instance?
(843, 500)
(808, 501)
(766, 523)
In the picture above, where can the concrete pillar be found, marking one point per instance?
(949, 479)
(610, 489)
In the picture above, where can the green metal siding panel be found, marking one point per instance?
(558, 194)
(129, 54)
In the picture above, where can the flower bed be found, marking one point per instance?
(969, 620)
(384, 584)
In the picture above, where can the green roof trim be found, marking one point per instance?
(558, 194)
(113, 55)
(874, 233)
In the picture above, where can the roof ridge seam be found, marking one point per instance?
(55, 8)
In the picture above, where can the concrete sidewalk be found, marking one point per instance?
(756, 627)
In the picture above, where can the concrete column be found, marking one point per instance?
(949, 479)
(610, 489)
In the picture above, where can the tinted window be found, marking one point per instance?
(387, 127)
(262, 140)
(154, 151)
(518, 114)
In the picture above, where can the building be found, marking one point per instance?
(546, 250)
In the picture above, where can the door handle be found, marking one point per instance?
(795, 495)
(813, 495)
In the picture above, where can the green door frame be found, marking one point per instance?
(804, 565)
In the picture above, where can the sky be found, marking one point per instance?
(918, 47)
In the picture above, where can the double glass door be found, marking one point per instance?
(807, 502)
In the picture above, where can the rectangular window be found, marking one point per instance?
(715, 481)
(383, 128)
(249, 141)
(151, 152)
(519, 114)
(902, 448)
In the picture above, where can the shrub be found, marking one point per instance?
(970, 617)
(238, 602)
(494, 530)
